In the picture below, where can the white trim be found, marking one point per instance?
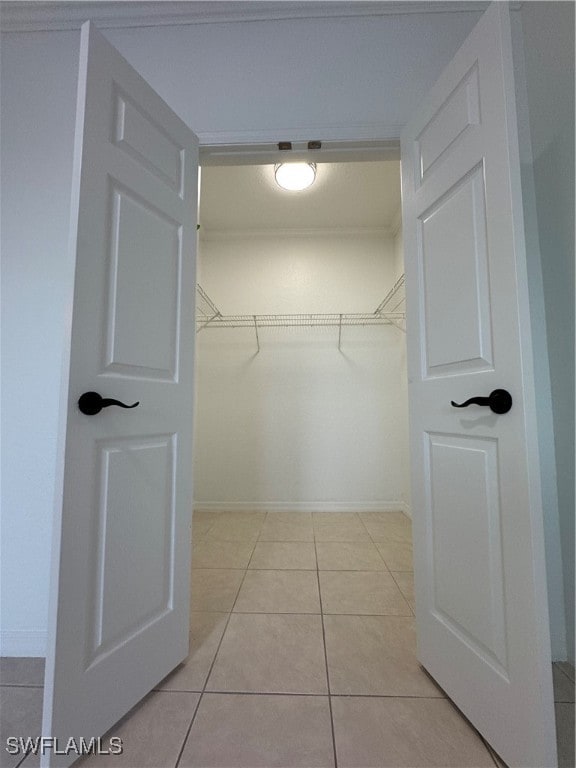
(406, 509)
(211, 235)
(299, 506)
(23, 642)
(368, 137)
(34, 17)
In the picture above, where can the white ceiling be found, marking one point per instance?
(344, 196)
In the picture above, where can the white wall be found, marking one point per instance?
(38, 95)
(353, 74)
(549, 64)
(300, 424)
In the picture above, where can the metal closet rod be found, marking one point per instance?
(209, 316)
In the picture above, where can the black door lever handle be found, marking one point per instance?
(91, 403)
(499, 401)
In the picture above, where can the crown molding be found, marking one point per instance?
(29, 16)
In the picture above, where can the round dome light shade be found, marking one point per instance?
(295, 176)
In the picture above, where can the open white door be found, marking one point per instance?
(481, 605)
(119, 593)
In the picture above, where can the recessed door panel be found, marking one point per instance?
(454, 263)
(138, 135)
(135, 538)
(460, 110)
(144, 275)
(466, 541)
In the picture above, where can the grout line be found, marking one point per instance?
(495, 759)
(319, 613)
(200, 697)
(374, 545)
(248, 565)
(326, 659)
(24, 758)
(179, 757)
(176, 765)
(557, 666)
(402, 593)
(323, 695)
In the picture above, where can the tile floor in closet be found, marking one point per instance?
(302, 656)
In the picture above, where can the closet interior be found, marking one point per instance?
(301, 364)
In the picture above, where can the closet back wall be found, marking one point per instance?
(300, 425)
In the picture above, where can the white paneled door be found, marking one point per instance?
(481, 605)
(119, 618)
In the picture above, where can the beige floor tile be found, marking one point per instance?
(243, 731)
(222, 554)
(397, 556)
(284, 555)
(340, 518)
(254, 517)
(362, 592)
(215, 590)
(234, 530)
(347, 556)
(565, 734)
(199, 530)
(271, 653)
(21, 710)
(499, 763)
(385, 517)
(563, 686)
(21, 671)
(405, 733)
(341, 532)
(287, 516)
(375, 655)
(281, 591)
(152, 734)
(277, 530)
(405, 581)
(567, 668)
(205, 635)
(205, 515)
(390, 533)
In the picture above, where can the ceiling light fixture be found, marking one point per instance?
(295, 176)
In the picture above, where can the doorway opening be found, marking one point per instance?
(301, 364)
(301, 537)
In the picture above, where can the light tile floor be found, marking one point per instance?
(302, 655)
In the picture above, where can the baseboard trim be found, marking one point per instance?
(23, 643)
(299, 506)
(406, 509)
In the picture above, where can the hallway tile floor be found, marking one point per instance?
(302, 655)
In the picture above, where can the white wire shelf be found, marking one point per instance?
(390, 311)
